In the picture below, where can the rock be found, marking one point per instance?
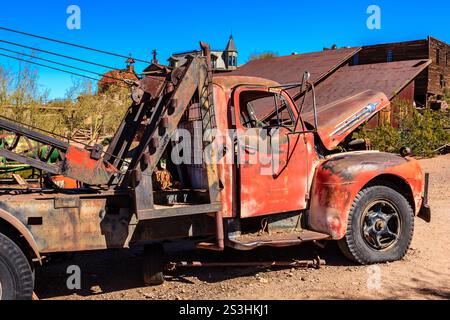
(96, 289)
(262, 280)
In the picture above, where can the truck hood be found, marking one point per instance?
(339, 119)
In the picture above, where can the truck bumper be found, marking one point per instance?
(425, 210)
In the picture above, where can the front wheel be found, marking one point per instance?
(16, 275)
(380, 226)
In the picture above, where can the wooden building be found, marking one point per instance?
(222, 60)
(430, 85)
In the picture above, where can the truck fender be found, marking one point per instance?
(22, 230)
(338, 181)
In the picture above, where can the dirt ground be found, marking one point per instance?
(423, 274)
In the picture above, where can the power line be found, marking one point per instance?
(50, 67)
(70, 44)
(57, 54)
(62, 64)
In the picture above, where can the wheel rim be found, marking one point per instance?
(381, 225)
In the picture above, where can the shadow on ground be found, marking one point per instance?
(115, 270)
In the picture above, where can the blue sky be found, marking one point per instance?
(139, 26)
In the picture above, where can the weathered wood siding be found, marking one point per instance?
(439, 70)
(401, 51)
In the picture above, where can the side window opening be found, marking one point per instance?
(265, 110)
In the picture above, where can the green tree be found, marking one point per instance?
(423, 132)
(263, 55)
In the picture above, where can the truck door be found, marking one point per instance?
(271, 157)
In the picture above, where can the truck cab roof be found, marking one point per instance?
(228, 83)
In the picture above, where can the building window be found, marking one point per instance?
(232, 61)
(356, 59)
(442, 81)
(214, 62)
(390, 55)
(172, 63)
(438, 56)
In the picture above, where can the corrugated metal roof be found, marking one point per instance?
(389, 78)
(289, 69)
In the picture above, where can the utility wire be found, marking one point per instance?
(61, 64)
(62, 70)
(57, 54)
(46, 66)
(70, 44)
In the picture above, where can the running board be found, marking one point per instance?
(284, 239)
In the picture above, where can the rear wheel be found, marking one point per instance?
(16, 275)
(380, 226)
(153, 264)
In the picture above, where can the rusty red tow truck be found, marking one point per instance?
(311, 183)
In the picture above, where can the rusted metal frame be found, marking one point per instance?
(316, 263)
(168, 212)
(139, 151)
(140, 177)
(80, 165)
(142, 185)
(163, 122)
(166, 117)
(285, 238)
(38, 164)
(33, 135)
(123, 138)
(169, 197)
(29, 136)
(82, 194)
(208, 118)
(206, 98)
(14, 143)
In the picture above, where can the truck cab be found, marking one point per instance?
(286, 165)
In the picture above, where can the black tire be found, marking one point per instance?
(153, 265)
(392, 219)
(16, 275)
